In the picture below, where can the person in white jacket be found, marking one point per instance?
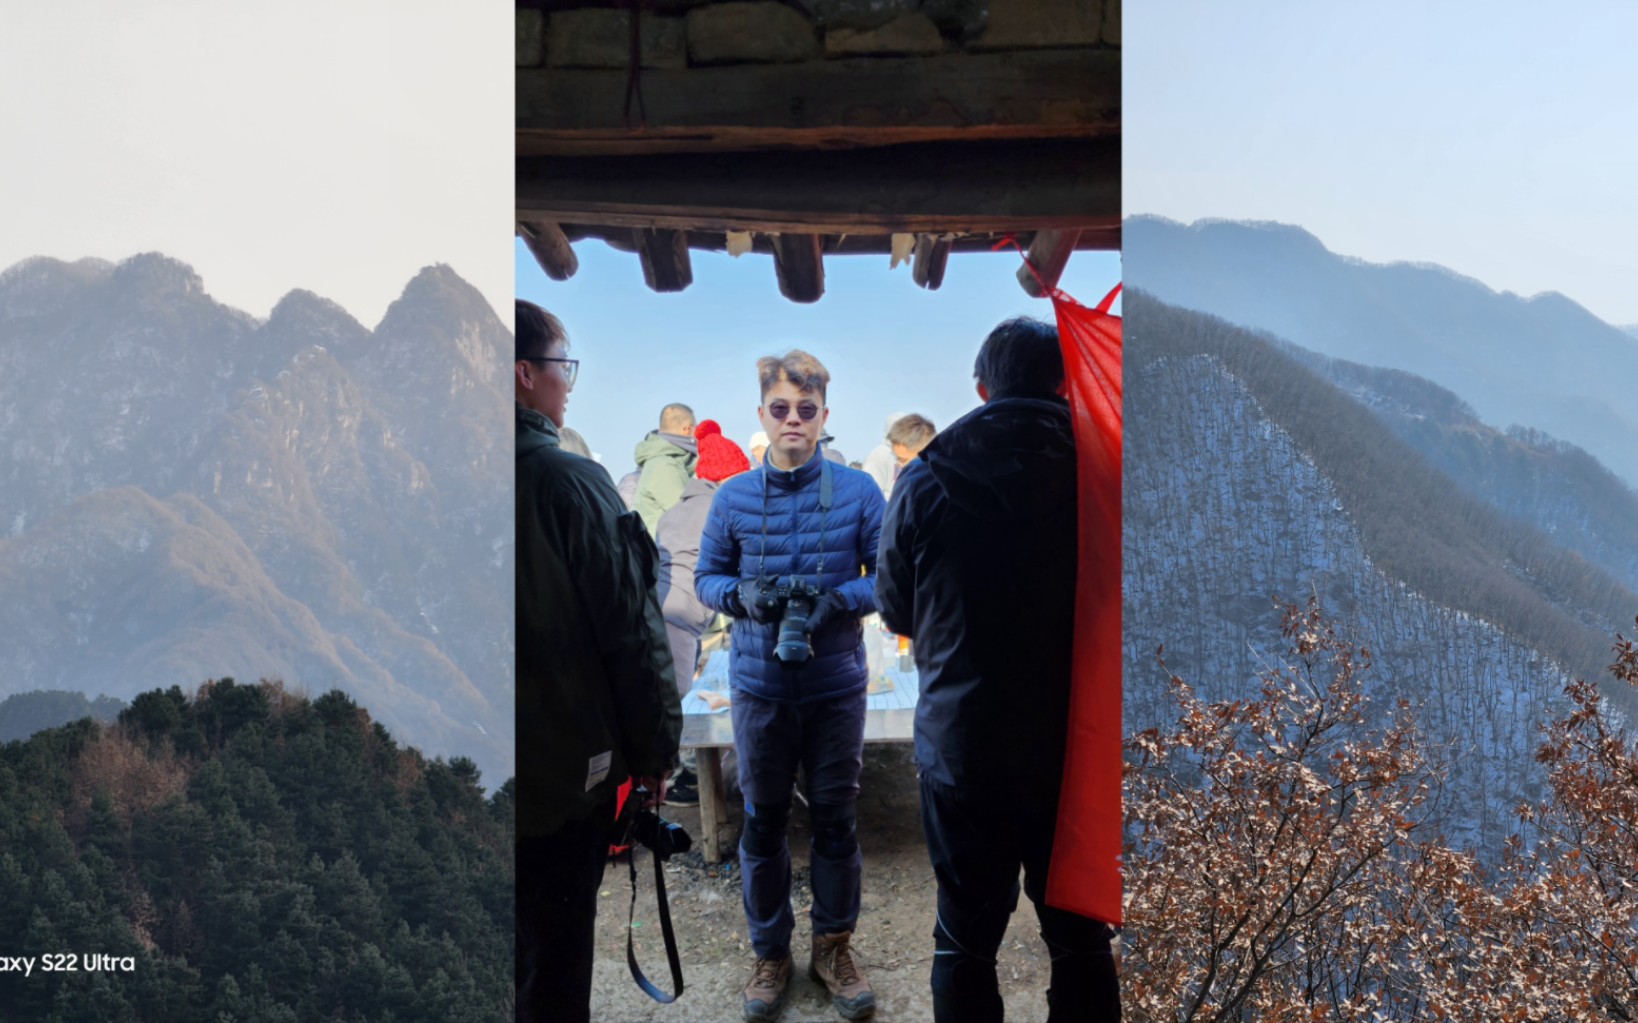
(880, 463)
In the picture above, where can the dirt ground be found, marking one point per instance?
(893, 944)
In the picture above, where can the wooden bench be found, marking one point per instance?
(709, 734)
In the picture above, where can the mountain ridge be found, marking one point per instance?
(375, 500)
(1520, 361)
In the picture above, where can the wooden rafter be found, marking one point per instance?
(799, 261)
(1048, 254)
(666, 265)
(931, 255)
(551, 249)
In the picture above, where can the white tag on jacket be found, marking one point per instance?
(597, 768)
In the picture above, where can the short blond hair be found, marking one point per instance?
(913, 431)
(804, 372)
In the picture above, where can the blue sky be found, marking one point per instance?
(1498, 139)
(889, 345)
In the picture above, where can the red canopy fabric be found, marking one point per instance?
(1085, 875)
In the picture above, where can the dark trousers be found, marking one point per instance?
(827, 740)
(977, 843)
(557, 879)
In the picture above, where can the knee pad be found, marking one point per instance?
(835, 834)
(765, 826)
(962, 981)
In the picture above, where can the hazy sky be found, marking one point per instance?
(298, 144)
(889, 345)
(1498, 139)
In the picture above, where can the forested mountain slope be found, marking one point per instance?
(23, 714)
(1525, 474)
(248, 854)
(1249, 479)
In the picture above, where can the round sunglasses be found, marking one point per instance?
(781, 409)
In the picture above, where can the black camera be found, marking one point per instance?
(660, 836)
(656, 834)
(793, 645)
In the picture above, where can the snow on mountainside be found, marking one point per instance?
(357, 484)
(1248, 480)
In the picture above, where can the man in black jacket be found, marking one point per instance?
(596, 694)
(977, 565)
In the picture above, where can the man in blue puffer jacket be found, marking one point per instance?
(798, 520)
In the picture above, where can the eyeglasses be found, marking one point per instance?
(571, 367)
(781, 409)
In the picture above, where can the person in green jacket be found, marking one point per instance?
(665, 462)
(596, 688)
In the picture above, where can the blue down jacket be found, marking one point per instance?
(731, 549)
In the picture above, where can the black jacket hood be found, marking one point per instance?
(1007, 458)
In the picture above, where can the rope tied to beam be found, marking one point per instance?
(1047, 290)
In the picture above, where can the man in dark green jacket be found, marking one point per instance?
(665, 464)
(596, 690)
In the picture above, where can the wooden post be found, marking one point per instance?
(932, 254)
(551, 249)
(1049, 254)
(713, 808)
(666, 265)
(799, 260)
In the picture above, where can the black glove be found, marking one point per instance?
(829, 605)
(755, 601)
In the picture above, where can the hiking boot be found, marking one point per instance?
(684, 790)
(765, 994)
(833, 966)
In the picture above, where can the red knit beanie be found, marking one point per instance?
(706, 428)
(720, 457)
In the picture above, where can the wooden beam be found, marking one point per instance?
(932, 253)
(666, 266)
(1049, 254)
(1035, 94)
(937, 188)
(550, 247)
(850, 243)
(799, 260)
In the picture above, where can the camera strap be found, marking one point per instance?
(827, 494)
(649, 987)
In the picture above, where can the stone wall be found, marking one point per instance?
(678, 34)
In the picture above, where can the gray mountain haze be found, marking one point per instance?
(1481, 568)
(187, 492)
(1525, 474)
(1542, 362)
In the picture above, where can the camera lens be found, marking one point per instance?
(792, 645)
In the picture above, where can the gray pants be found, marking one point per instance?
(685, 652)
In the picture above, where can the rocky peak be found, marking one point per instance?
(302, 319)
(41, 285)
(156, 275)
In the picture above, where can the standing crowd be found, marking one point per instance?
(955, 538)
